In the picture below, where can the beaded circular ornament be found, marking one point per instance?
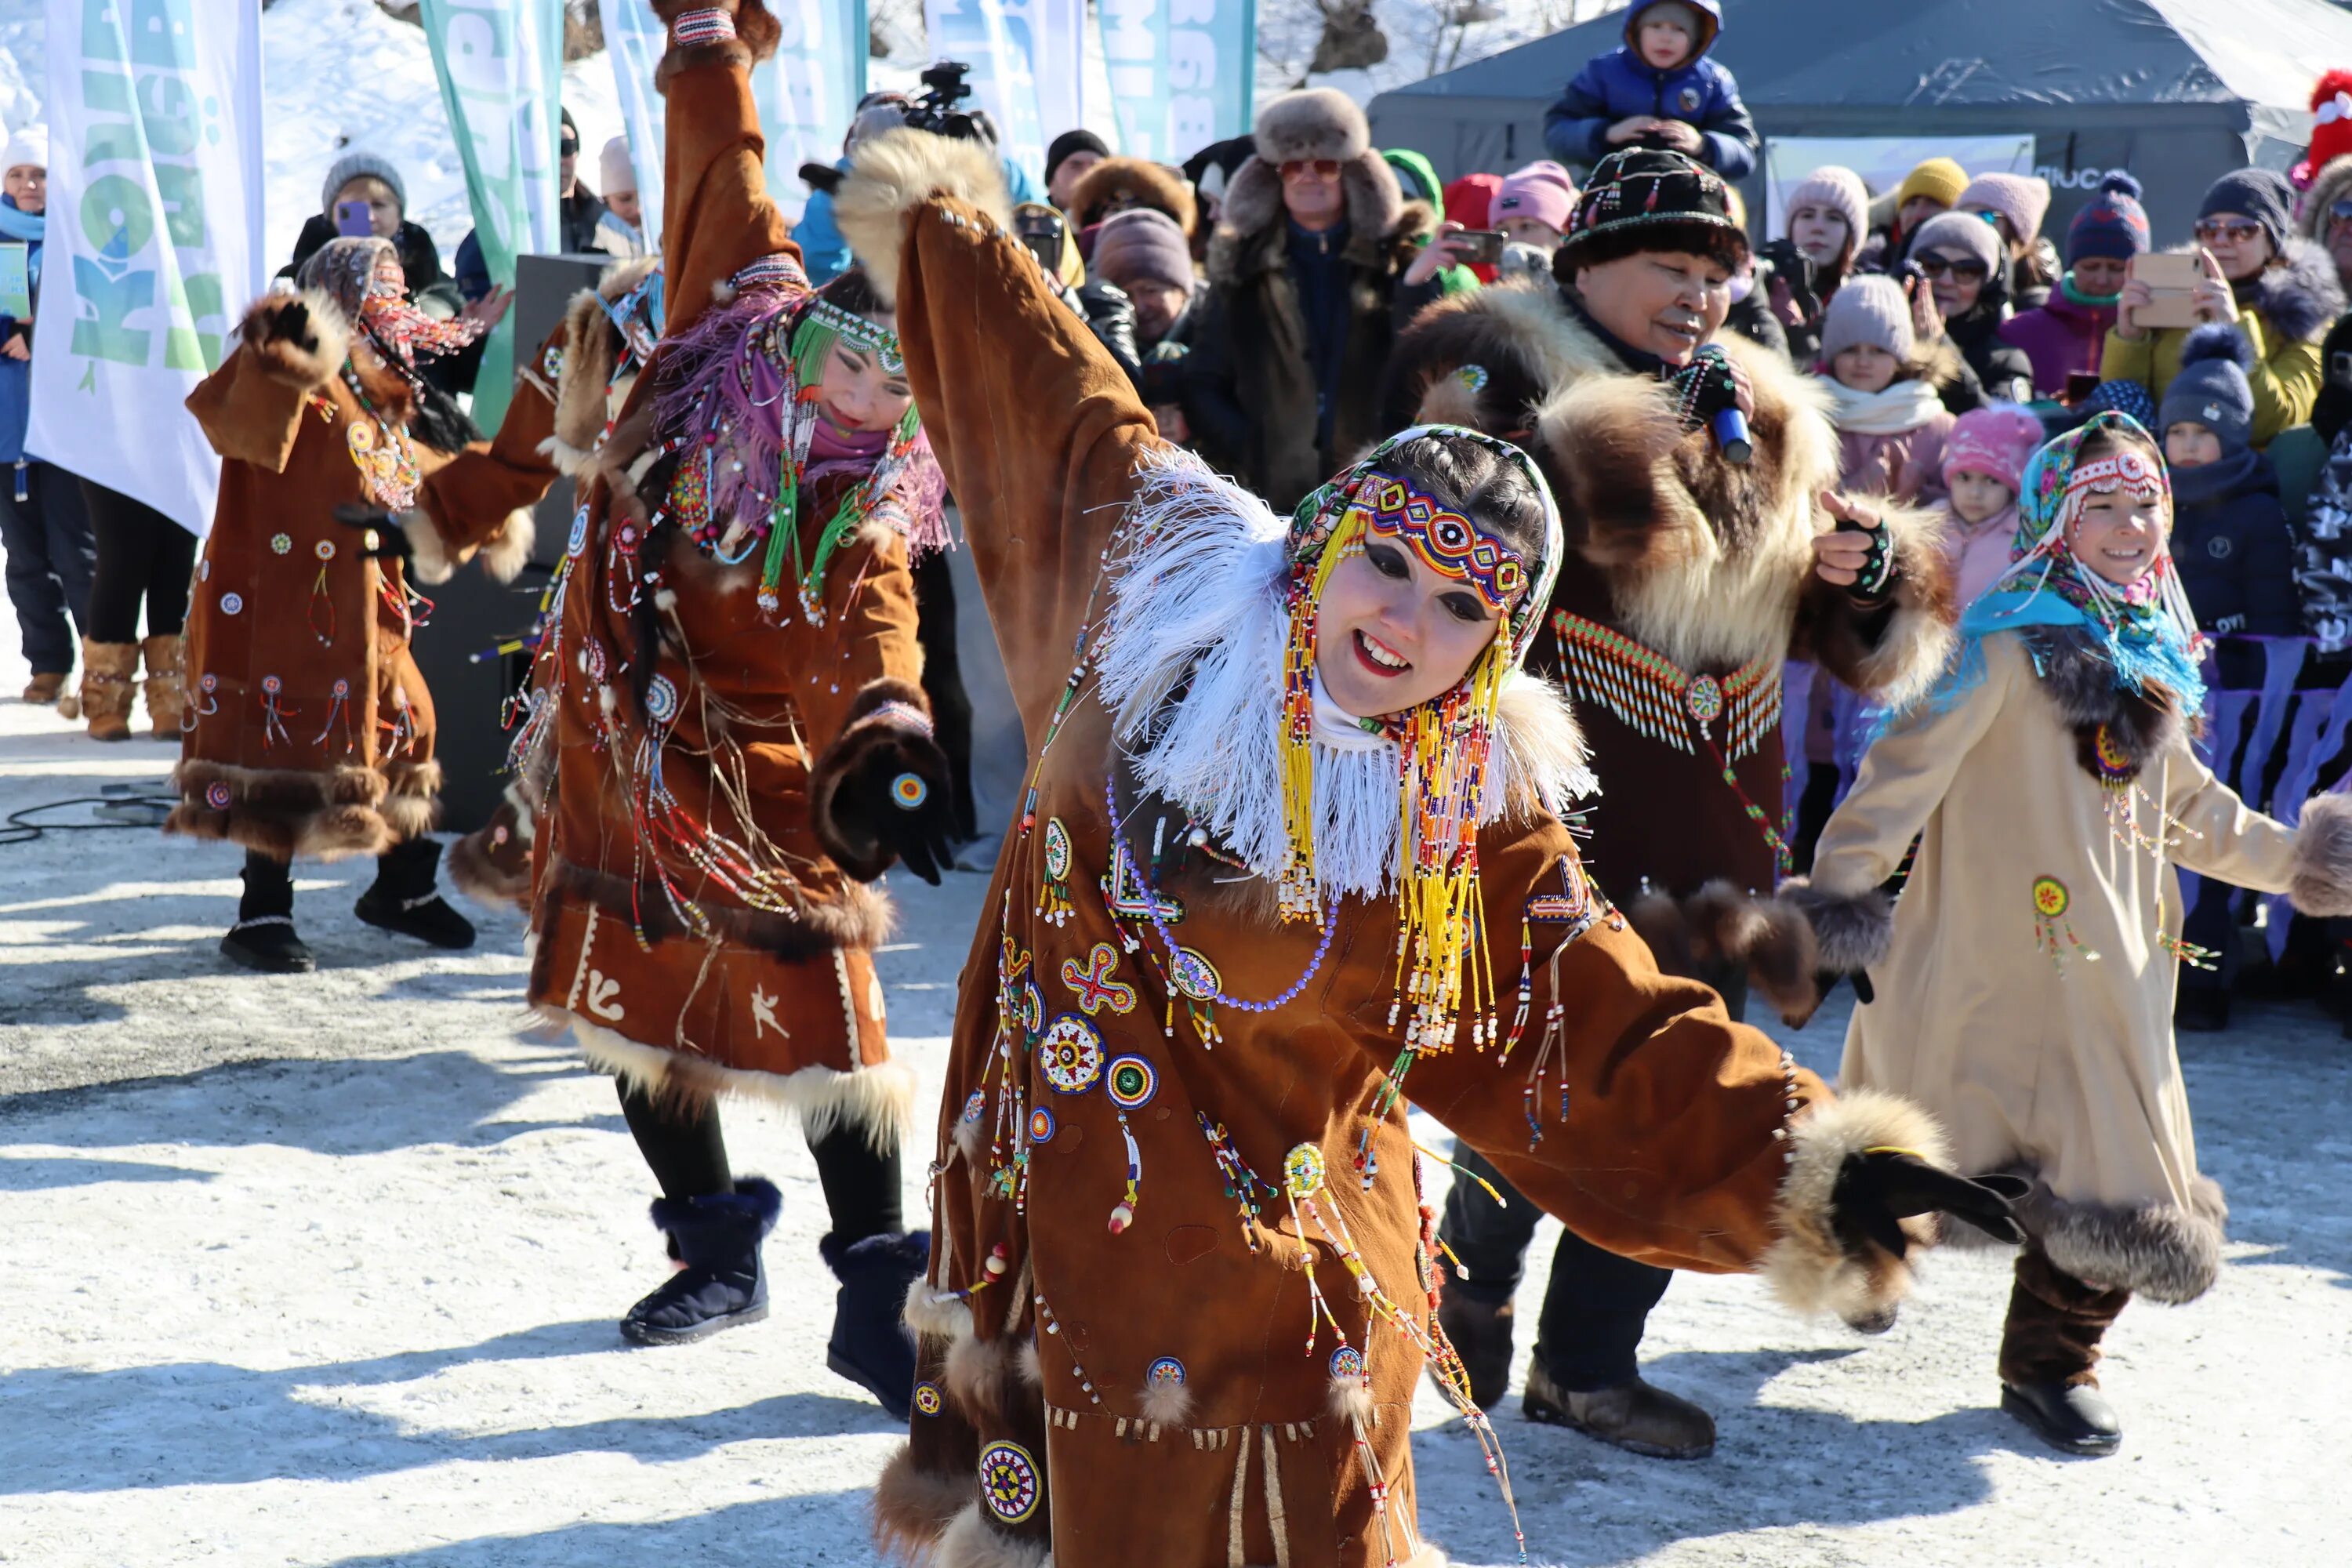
(1070, 1054)
(1008, 1481)
(1132, 1081)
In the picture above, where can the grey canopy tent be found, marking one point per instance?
(2177, 92)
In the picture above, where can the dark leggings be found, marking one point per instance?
(687, 1152)
(143, 558)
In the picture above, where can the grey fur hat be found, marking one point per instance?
(1315, 122)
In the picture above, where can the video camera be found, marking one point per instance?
(935, 111)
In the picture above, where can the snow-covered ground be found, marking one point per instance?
(323, 1270)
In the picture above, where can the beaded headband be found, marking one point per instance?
(2127, 470)
(857, 332)
(1448, 543)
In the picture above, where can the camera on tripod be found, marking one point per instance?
(943, 89)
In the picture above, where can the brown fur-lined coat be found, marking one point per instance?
(666, 973)
(1705, 563)
(1994, 1013)
(310, 729)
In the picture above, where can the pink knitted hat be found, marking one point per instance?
(2022, 199)
(1998, 440)
(1542, 191)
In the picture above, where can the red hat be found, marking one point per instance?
(2331, 128)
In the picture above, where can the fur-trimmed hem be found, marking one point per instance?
(892, 174)
(2322, 886)
(475, 872)
(859, 915)
(858, 853)
(507, 549)
(979, 1375)
(879, 1101)
(302, 365)
(1808, 1267)
(1852, 932)
(928, 1317)
(913, 1507)
(572, 462)
(2156, 1249)
(430, 560)
(285, 811)
(969, 1541)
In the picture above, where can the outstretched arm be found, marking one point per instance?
(718, 214)
(480, 501)
(1039, 430)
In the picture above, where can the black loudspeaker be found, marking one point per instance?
(472, 617)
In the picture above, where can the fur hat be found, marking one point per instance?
(1142, 244)
(1314, 122)
(1872, 309)
(1142, 183)
(1996, 440)
(615, 171)
(2022, 199)
(30, 144)
(2211, 388)
(1840, 189)
(1661, 199)
(356, 165)
(1541, 191)
(2112, 223)
(1940, 180)
(2261, 195)
(1964, 232)
(2331, 127)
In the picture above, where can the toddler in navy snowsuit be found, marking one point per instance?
(1659, 90)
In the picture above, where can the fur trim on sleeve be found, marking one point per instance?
(429, 558)
(2155, 1250)
(1892, 653)
(2323, 857)
(1809, 1269)
(892, 174)
(311, 362)
(507, 552)
(857, 853)
(1852, 932)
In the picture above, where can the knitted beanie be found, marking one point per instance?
(615, 172)
(1939, 179)
(1964, 233)
(1668, 201)
(354, 165)
(1870, 309)
(1840, 190)
(1995, 440)
(28, 145)
(1541, 191)
(2211, 389)
(1070, 142)
(1470, 200)
(2258, 193)
(2022, 199)
(1142, 244)
(2114, 225)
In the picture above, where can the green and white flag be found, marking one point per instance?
(154, 244)
(500, 63)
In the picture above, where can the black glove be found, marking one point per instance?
(291, 324)
(390, 536)
(1870, 588)
(1704, 388)
(1878, 1188)
(899, 796)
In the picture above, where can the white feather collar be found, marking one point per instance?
(1196, 598)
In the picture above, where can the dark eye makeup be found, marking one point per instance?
(1387, 561)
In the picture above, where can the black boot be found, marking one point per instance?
(1480, 1334)
(263, 937)
(720, 1285)
(405, 900)
(870, 1346)
(2073, 1417)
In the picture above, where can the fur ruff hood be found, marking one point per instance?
(1251, 236)
(1190, 666)
(2330, 185)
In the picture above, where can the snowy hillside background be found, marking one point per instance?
(341, 73)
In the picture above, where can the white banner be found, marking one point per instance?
(635, 39)
(154, 244)
(807, 90)
(1882, 162)
(996, 39)
(1058, 30)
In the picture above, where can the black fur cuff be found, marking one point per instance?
(1852, 932)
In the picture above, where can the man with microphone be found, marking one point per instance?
(1706, 549)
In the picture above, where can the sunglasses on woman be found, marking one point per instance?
(2339, 212)
(1321, 168)
(1934, 267)
(2237, 232)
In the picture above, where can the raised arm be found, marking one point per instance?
(288, 346)
(1038, 429)
(718, 215)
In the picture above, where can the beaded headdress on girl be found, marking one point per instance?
(741, 392)
(349, 271)
(1443, 745)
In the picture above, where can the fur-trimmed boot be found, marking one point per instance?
(104, 700)
(2050, 1356)
(403, 897)
(166, 685)
(870, 1346)
(264, 936)
(720, 1283)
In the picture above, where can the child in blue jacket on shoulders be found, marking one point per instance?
(1659, 90)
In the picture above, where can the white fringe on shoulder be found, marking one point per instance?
(1197, 590)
